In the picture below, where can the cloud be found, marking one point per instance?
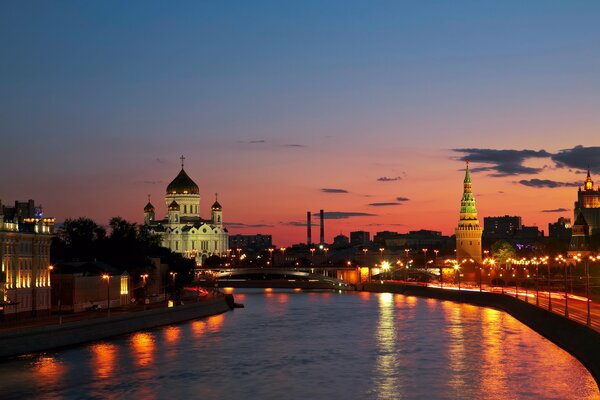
(160, 160)
(255, 141)
(385, 204)
(402, 199)
(555, 210)
(546, 183)
(243, 225)
(331, 190)
(579, 157)
(150, 182)
(343, 214)
(504, 162)
(389, 179)
(294, 145)
(298, 223)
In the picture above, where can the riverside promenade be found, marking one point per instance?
(581, 341)
(35, 335)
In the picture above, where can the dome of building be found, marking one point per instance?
(174, 206)
(216, 206)
(149, 207)
(182, 184)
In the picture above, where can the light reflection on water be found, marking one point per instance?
(299, 345)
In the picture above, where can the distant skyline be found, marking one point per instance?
(364, 109)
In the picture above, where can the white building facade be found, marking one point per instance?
(183, 230)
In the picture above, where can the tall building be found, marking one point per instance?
(468, 232)
(561, 229)
(360, 238)
(25, 236)
(501, 227)
(183, 230)
(588, 204)
(251, 242)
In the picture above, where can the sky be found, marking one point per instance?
(366, 109)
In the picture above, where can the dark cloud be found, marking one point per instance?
(243, 225)
(504, 162)
(256, 141)
(385, 204)
(402, 199)
(555, 210)
(380, 224)
(547, 183)
(343, 214)
(331, 190)
(389, 179)
(150, 182)
(160, 160)
(579, 157)
(297, 223)
(294, 145)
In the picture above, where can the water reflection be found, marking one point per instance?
(142, 344)
(456, 344)
(48, 370)
(313, 346)
(103, 359)
(386, 378)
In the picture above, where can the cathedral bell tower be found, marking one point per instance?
(148, 212)
(468, 232)
(217, 212)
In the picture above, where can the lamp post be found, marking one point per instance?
(107, 278)
(457, 269)
(173, 274)
(144, 277)
(425, 258)
(587, 289)
(271, 255)
(576, 258)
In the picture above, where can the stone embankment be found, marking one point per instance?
(48, 337)
(579, 340)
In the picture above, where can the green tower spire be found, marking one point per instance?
(468, 232)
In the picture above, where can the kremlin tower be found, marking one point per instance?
(468, 232)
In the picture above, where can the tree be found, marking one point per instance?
(502, 251)
(79, 239)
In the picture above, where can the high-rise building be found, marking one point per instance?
(588, 204)
(251, 242)
(468, 232)
(25, 237)
(561, 229)
(360, 238)
(501, 227)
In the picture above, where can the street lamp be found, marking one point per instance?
(173, 274)
(107, 278)
(587, 288)
(381, 250)
(144, 277)
(425, 258)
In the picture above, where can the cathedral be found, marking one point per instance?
(468, 232)
(183, 230)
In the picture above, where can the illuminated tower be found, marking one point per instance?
(468, 232)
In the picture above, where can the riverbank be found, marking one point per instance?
(48, 337)
(579, 340)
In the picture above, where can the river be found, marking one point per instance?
(314, 345)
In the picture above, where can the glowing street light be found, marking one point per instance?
(107, 278)
(144, 277)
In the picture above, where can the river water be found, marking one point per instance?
(314, 345)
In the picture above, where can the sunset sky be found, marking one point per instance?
(366, 109)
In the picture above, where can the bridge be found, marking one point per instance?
(280, 277)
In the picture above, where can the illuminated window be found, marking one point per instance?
(124, 285)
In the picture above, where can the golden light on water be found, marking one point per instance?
(48, 370)
(143, 347)
(104, 359)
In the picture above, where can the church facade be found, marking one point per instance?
(183, 230)
(468, 232)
